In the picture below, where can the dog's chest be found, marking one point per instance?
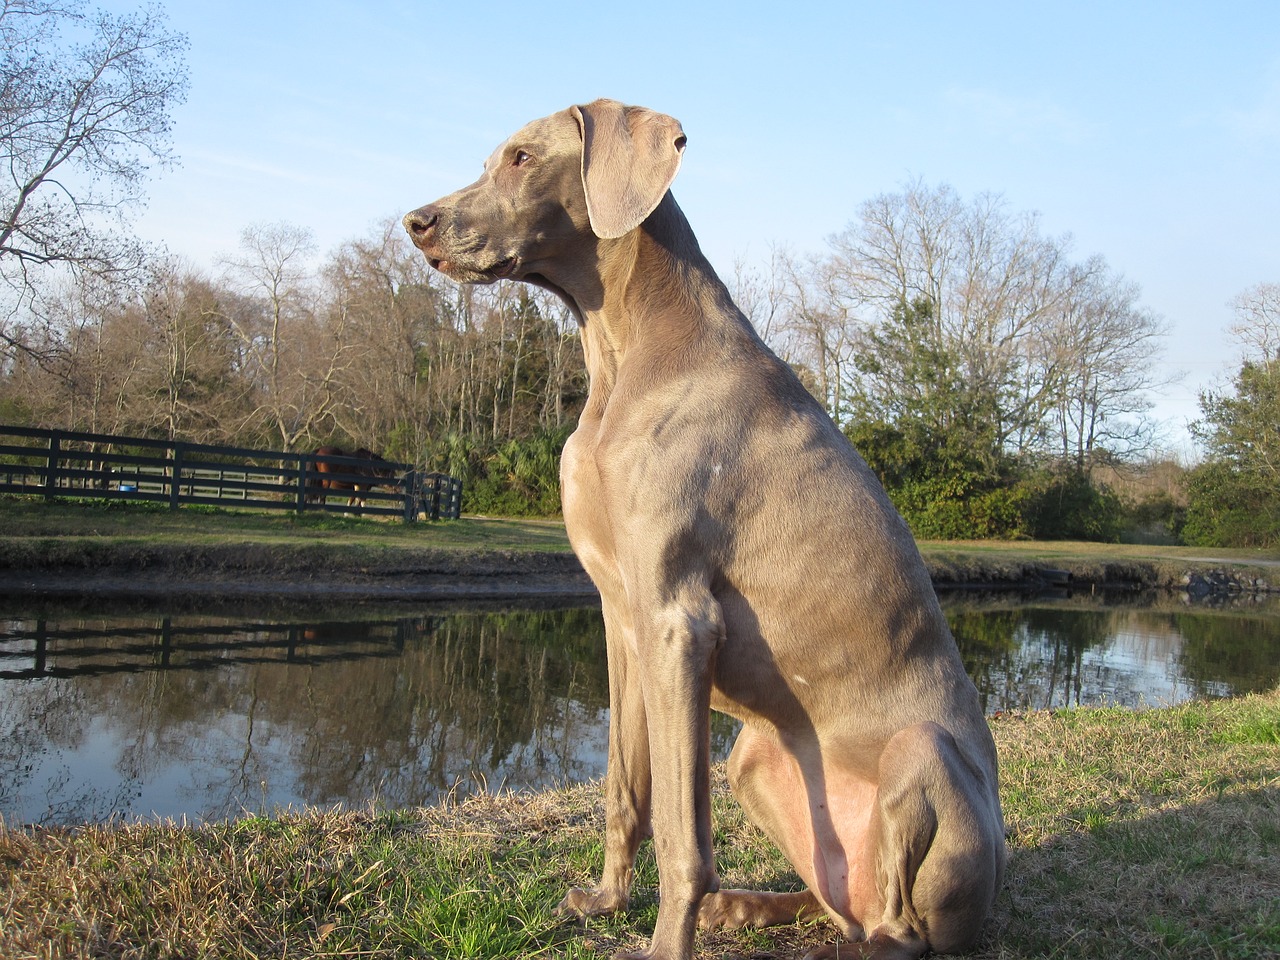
(586, 517)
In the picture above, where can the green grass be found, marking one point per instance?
(88, 533)
(28, 517)
(1152, 834)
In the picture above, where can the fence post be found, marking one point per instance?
(175, 476)
(51, 467)
(410, 493)
(432, 498)
(301, 499)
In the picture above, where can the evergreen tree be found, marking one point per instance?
(1235, 493)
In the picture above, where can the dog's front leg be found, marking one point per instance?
(627, 777)
(677, 646)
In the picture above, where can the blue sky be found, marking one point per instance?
(1150, 132)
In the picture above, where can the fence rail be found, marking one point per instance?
(69, 463)
(31, 649)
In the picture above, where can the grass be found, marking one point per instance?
(89, 533)
(1153, 834)
(28, 518)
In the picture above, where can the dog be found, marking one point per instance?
(747, 561)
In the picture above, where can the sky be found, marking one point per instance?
(1148, 132)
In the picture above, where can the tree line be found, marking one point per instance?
(990, 378)
(997, 383)
(274, 349)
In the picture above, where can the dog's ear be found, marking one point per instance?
(630, 155)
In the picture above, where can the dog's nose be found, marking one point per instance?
(421, 221)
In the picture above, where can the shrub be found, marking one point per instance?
(961, 507)
(509, 478)
(1067, 505)
(1229, 508)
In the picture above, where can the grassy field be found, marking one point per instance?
(82, 533)
(69, 522)
(1151, 834)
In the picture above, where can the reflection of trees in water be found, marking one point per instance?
(1031, 658)
(36, 719)
(490, 696)
(985, 637)
(403, 708)
(1034, 657)
(1026, 658)
(499, 696)
(1239, 652)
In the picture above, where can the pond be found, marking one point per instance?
(173, 713)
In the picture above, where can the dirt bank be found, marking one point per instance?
(275, 572)
(290, 572)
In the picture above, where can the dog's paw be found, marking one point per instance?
(727, 911)
(596, 902)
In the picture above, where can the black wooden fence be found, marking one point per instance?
(67, 463)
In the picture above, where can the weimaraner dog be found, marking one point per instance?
(747, 561)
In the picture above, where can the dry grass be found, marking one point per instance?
(1150, 835)
(89, 534)
(67, 526)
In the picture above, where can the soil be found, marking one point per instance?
(253, 571)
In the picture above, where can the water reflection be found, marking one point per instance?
(1138, 654)
(135, 714)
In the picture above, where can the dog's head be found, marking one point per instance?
(585, 174)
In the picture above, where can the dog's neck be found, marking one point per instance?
(652, 294)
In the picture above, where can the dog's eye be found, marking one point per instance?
(520, 158)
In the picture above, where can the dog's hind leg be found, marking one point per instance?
(939, 848)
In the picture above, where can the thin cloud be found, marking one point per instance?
(233, 166)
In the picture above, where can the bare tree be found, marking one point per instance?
(288, 355)
(390, 299)
(967, 315)
(83, 366)
(1240, 422)
(1257, 325)
(1099, 360)
(761, 293)
(818, 331)
(82, 124)
(187, 388)
(988, 280)
(564, 385)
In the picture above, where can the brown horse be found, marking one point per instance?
(346, 477)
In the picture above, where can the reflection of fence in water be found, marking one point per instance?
(37, 648)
